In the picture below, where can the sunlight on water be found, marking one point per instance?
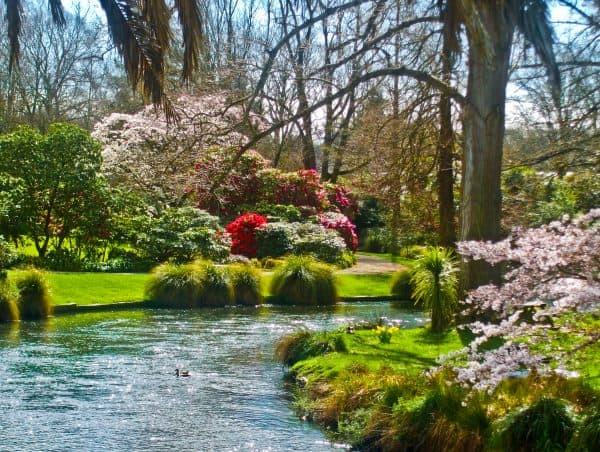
(106, 381)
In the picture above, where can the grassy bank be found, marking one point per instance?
(107, 288)
(375, 395)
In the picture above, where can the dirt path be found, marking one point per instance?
(372, 264)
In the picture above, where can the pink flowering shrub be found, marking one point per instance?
(243, 233)
(341, 199)
(554, 271)
(341, 223)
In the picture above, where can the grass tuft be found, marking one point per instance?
(34, 295)
(246, 285)
(9, 310)
(304, 281)
(175, 286)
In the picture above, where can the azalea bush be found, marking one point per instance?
(342, 224)
(243, 233)
(553, 278)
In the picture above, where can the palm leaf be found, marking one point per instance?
(157, 16)
(14, 19)
(190, 20)
(142, 55)
(58, 14)
(532, 19)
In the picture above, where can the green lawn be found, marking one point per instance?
(92, 288)
(388, 257)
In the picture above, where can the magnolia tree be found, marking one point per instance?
(144, 152)
(553, 270)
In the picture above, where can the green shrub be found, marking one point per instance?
(245, 281)
(412, 251)
(305, 344)
(62, 260)
(279, 212)
(181, 235)
(587, 437)
(176, 286)
(544, 426)
(402, 285)
(268, 263)
(346, 260)
(34, 295)
(7, 256)
(324, 244)
(303, 281)
(377, 240)
(9, 310)
(275, 239)
(436, 286)
(217, 289)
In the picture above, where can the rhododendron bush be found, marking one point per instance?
(341, 223)
(144, 152)
(252, 181)
(243, 233)
(553, 278)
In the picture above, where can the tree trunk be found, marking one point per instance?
(445, 152)
(483, 127)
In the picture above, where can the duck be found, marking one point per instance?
(182, 373)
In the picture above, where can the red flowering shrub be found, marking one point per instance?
(341, 223)
(341, 199)
(243, 233)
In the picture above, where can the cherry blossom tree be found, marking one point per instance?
(146, 153)
(554, 271)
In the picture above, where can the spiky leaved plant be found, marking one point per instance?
(435, 284)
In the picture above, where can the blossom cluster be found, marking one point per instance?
(342, 224)
(243, 233)
(553, 270)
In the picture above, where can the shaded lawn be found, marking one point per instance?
(409, 351)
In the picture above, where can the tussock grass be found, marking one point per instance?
(246, 283)
(34, 294)
(176, 286)
(304, 281)
(9, 310)
(216, 286)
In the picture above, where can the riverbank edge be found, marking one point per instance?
(74, 308)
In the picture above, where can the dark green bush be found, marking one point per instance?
(275, 239)
(217, 289)
(181, 235)
(246, 285)
(544, 426)
(9, 310)
(121, 262)
(402, 285)
(62, 260)
(176, 286)
(34, 295)
(587, 437)
(377, 240)
(279, 212)
(304, 281)
(7, 256)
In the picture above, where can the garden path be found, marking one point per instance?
(372, 264)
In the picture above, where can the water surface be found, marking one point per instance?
(105, 381)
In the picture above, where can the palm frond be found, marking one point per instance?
(142, 55)
(57, 12)
(157, 17)
(14, 19)
(190, 19)
(532, 19)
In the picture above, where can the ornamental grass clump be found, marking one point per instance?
(9, 310)
(304, 281)
(34, 295)
(587, 437)
(216, 289)
(543, 426)
(176, 286)
(245, 281)
(435, 284)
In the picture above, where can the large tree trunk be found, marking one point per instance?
(483, 126)
(445, 154)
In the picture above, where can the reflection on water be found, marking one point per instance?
(105, 381)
